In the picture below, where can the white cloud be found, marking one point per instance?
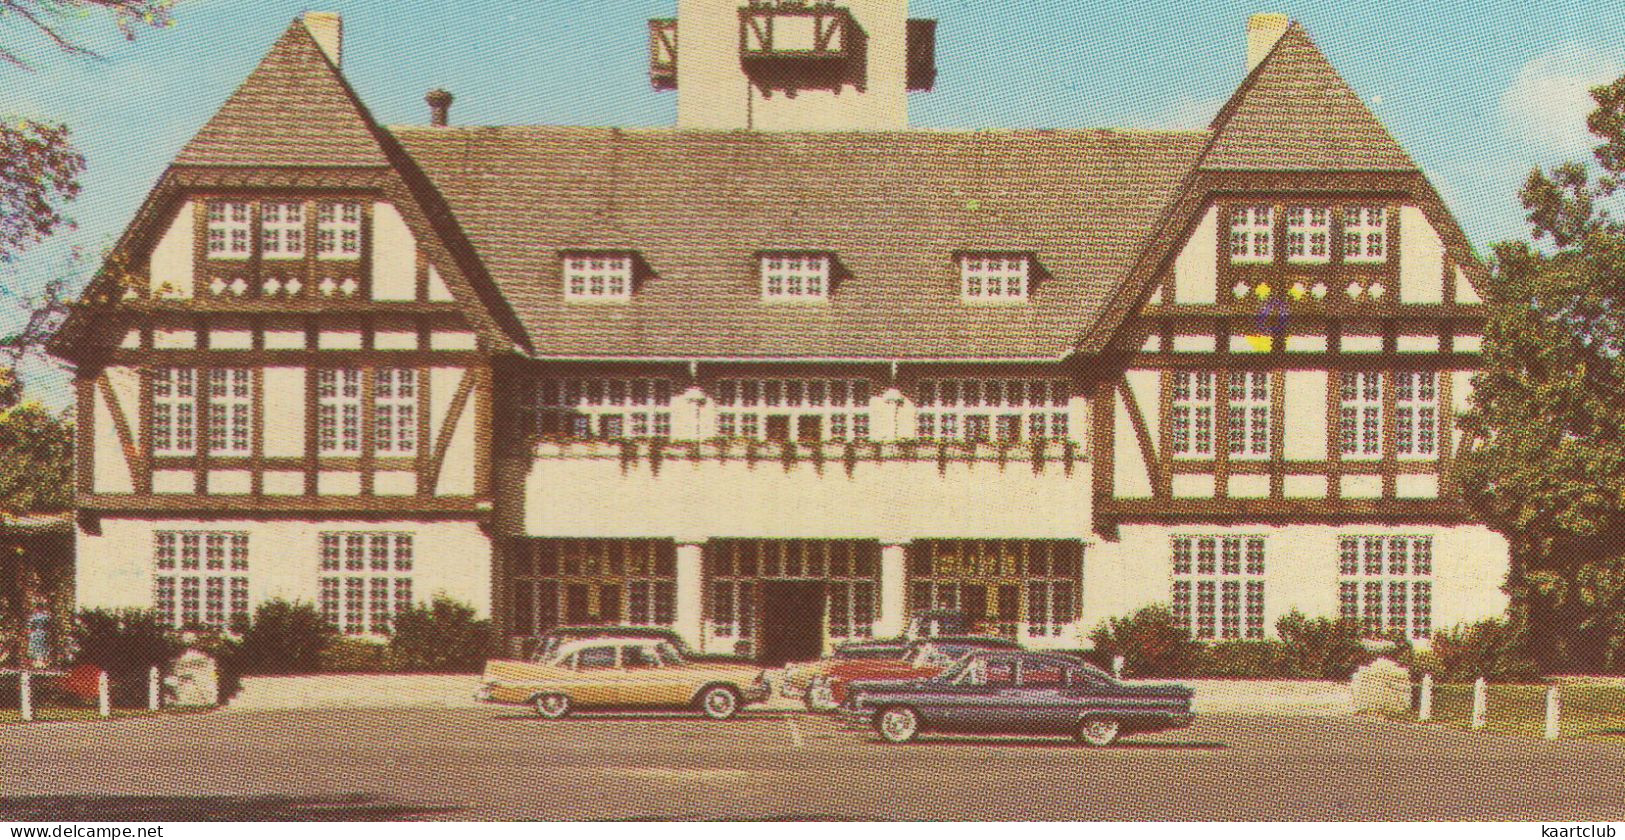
(1547, 104)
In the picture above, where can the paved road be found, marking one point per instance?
(500, 764)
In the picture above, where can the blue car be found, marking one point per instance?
(1018, 692)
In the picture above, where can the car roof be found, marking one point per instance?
(595, 631)
(996, 642)
(606, 641)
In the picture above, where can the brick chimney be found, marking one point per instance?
(328, 30)
(1262, 33)
(439, 106)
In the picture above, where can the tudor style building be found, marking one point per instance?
(789, 372)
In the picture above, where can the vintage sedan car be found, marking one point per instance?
(622, 673)
(799, 677)
(924, 658)
(1018, 692)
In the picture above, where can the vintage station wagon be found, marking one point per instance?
(622, 673)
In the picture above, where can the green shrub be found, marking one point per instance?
(1494, 649)
(126, 644)
(442, 638)
(1255, 659)
(1151, 643)
(1320, 648)
(283, 638)
(356, 656)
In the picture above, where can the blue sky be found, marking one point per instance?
(1477, 92)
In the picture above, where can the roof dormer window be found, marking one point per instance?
(994, 278)
(795, 276)
(598, 275)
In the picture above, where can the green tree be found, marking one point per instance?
(36, 460)
(1546, 461)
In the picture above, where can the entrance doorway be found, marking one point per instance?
(792, 621)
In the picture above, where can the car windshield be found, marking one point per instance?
(869, 653)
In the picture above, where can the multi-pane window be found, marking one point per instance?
(200, 579)
(793, 409)
(598, 275)
(1252, 234)
(993, 277)
(795, 276)
(1386, 584)
(230, 230)
(849, 570)
(603, 408)
(231, 402)
(1249, 414)
(338, 411)
(174, 407)
(851, 608)
(577, 582)
(992, 409)
(1218, 586)
(365, 579)
(282, 230)
(1308, 234)
(1003, 586)
(1191, 416)
(395, 411)
(338, 230)
(1416, 414)
(1359, 413)
(1365, 234)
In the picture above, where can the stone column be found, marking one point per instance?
(688, 421)
(893, 589)
(690, 593)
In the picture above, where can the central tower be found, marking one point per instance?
(793, 65)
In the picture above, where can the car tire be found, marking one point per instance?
(1099, 731)
(552, 706)
(719, 702)
(898, 724)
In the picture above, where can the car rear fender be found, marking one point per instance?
(700, 692)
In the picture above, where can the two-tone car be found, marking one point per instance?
(924, 658)
(621, 673)
(805, 681)
(1018, 693)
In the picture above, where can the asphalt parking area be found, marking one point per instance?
(501, 763)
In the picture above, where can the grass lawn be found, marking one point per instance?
(1588, 711)
(70, 713)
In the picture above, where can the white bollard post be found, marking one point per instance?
(1424, 710)
(1117, 666)
(103, 701)
(1480, 698)
(152, 689)
(1553, 711)
(25, 696)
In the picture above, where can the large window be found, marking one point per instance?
(1008, 587)
(365, 579)
(1252, 234)
(282, 228)
(395, 411)
(338, 411)
(993, 278)
(174, 407)
(1416, 414)
(231, 402)
(1249, 410)
(1359, 429)
(1308, 235)
(575, 582)
(230, 228)
(1386, 584)
(1365, 234)
(604, 408)
(1218, 586)
(338, 230)
(598, 276)
(793, 409)
(200, 579)
(794, 276)
(1191, 416)
(992, 409)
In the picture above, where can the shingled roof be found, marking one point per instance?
(894, 208)
(295, 109)
(1294, 112)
